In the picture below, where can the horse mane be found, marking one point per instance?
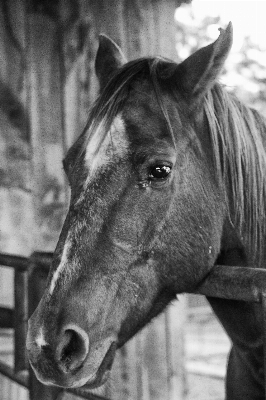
(238, 135)
(111, 100)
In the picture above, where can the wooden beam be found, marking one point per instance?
(141, 28)
(234, 283)
(20, 319)
(6, 317)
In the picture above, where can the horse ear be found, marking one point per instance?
(109, 58)
(200, 70)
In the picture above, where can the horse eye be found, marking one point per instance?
(159, 172)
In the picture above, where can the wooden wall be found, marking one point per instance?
(47, 84)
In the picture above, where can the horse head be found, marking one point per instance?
(146, 214)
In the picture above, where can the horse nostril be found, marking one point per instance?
(73, 348)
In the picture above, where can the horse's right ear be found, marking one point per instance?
(109, 58)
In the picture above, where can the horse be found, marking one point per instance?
(168, 179)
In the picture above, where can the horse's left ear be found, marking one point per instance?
(200, 70)
(109, 58)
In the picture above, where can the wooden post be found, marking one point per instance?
(263, 310)
(44, 104)
(20, 319)
(7, 317)
(175, 320)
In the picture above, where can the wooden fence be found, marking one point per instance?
(150, 366)
(30, 275)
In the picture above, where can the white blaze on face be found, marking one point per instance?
(40, 341)
(114, 145)
(61, 266)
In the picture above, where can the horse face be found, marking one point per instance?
(105, 281)
(144, 223)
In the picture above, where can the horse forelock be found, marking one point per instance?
(237, 140)
(111, 101)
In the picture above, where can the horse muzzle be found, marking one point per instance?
(70, 360)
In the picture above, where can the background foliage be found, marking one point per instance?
(245, 71)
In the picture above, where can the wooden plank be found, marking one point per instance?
(17, 262)
(234, 283)
(44, 102)
(154, 360)
(263, 300)
(141, 28)
(124, 373)
(20, 320)
(79, 88)
(6, 317)
(231, 282)
(175, 320)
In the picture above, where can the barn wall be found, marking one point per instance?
(47, 84)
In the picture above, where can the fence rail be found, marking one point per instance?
(234, 283)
